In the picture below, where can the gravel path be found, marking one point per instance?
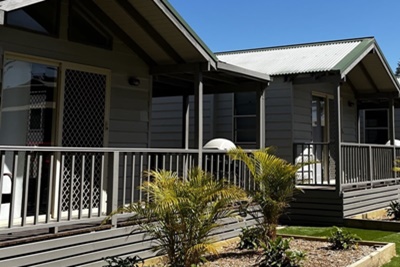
(317, 254)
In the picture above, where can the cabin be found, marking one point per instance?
(77, 87)
(330, 103)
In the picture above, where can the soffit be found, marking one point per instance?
(162, 39)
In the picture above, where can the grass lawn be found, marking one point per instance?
(367, 235)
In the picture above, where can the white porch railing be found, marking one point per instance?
(50, 187)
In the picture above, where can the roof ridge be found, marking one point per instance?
(291, 46)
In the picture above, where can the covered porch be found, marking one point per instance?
(350, 168)
(75, 122)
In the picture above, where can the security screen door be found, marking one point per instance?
(83, 120)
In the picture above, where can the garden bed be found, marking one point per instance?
(377, 220)
(318, 253)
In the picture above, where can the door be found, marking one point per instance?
(320, 136)
(83, 118)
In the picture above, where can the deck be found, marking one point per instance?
(57, 198)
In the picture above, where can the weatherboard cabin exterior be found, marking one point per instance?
(77, 83)
(331, 103)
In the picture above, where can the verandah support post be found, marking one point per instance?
(185, 121)
(261, 117)
(339, 140)
(112, 185)
(392, 133)
(185, 131)
(198, 110)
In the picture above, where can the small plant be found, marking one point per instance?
(277, 253)
(250, 238)
(123, 262)
(341, 239)
(394, 210)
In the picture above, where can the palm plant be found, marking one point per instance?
(275, 186)
(181, 214)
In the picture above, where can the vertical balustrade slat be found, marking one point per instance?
(60, 188)
(2, 162)
(133, 188)
(102, 175)
(185, 166)
(71, 188)
(163, 162)
(124, 178)
(156, 162)
(38, 190)
(224, 167)
(81, 187)
(371, 169)
(50, 190)
(13, 190)
(351, 164)
(140, 177)
(92, 174)
(344, 166)
(234, 172)
(25, 189)
(190, 162)
(212, 163)
(148, 173)
(177, 164)
(394, 161)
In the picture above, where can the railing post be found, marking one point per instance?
(338, 158)
(112, 185)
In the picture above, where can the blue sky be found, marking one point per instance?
(240, 24)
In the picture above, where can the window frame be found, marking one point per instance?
(236, 116)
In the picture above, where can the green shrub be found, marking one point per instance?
(274, 179)
(123, 262)
(250, 238)
(277, 253)
(181, 213)
(394, 210)
(341, 239)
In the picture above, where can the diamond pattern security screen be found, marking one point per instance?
(83, 126)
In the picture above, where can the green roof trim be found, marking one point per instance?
(349, 59)
(189, 29)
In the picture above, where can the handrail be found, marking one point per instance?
(369, 145)
(109, 149)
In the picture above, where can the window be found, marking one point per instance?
(376, 129)
(42, 17)
(83, 29)
(28, 96)
(245, 118)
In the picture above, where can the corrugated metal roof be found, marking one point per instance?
(295, 59)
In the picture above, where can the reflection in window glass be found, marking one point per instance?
(28, 103)
(84, 30)
(376, 129)
(41, 17)
(245, 122)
